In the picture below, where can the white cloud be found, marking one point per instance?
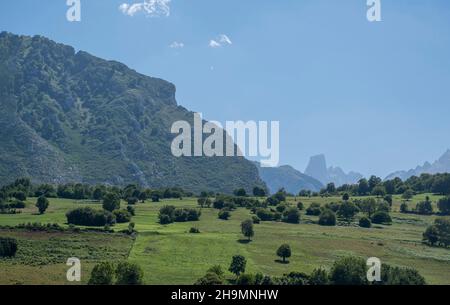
(220, 41)
(176, 45)
(151, 8)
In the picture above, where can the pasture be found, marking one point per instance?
(169, 254)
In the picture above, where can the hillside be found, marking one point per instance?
(68, 116)
(288, 177)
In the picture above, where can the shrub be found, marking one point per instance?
(438, 233)
(347, 211)
(169, 214)
(365, 222)
(265, 214)
(194, 230)
(209, 279)
(132, 200)
(400, 276)
(8, 247)
(327, 218)
(87, 216)
(404, 208)
(247, 229)
(131, 210)
(300, 206)
(111, 202)
(314, 209)
(122, 216)
(245, 280)
(444, 205)
(20, 196)
(291, 215)
(16, 204)
(129, 274)
(42, 204)
(319, 277)
(381, 217)
(164, 219)
(256, 220)
(102, 274)
(224, 214)
(424, 208)
(349, 271)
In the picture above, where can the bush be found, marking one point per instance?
(16, 204)
(404, 208)
(424, 208)
(444, 205)
(256, 220)
(327, 218)
(164, 219)
(89, 217)
(42, 204)
(438, 233)
(400, 276)
(20, 196)
(319, 277)
(291, 215)
(111, 202)
(245, 280)
(265, 215)
(129, 274)
(381, 217)
(300, 206)
(8, 247)
(365, 222)
(132, 200)
(194, 230)
(102, 274)
(224, 214)
(347, 211)
(122, 216)
(209, 279)
(349, 271)
(169, 214)
(314, 209)
(131, 210)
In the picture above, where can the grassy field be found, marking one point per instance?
(169, 254)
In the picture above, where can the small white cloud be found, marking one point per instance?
(176, 45)
(151, 8)
(220, 41)
(214, 44)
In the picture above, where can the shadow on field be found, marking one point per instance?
(279, 261)
(244, 241)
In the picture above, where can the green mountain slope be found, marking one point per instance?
(72, 117)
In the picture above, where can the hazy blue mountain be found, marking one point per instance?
(288, 177)
(442, 165)
(317, 168)
(68, 116)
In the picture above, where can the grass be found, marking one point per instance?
(169, 254)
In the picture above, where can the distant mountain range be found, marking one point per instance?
(69, 116)
(288, 177)
(442, 165)
(317, 168)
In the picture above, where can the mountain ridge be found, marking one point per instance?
(74, 117)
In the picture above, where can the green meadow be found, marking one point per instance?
(169, 254)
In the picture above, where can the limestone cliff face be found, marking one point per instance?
(317, 168)
(69, 116)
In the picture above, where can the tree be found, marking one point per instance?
(111, 202)
(443, 228)
(349, 271)
(431, 235)
(346, 197)
(259, 192)
(20, 196)
(284, 251)
(365, 222)
(390, 187)
(224, 214)
(291, 215)
(238, 264)
(327, 218)
(373, 182)
(363, 187)
(129, 274)
(156, 197)
(404, 208)
(381, 217)
(143, 196)
(42, 204)
(331, 188)
(240, 192)
(210, 279)
(379, 191)
(8, 247)
(347, 211)
(247, 229)
(102, 274)
(132, 200)
(319, 277)
(408, 194)
(369, 206)
(424, 207)
(444, 205)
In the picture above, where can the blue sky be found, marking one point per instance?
(374, 97)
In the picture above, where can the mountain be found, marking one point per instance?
(317, 168)
(288, 177)
(69, 116)
(442, 165)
